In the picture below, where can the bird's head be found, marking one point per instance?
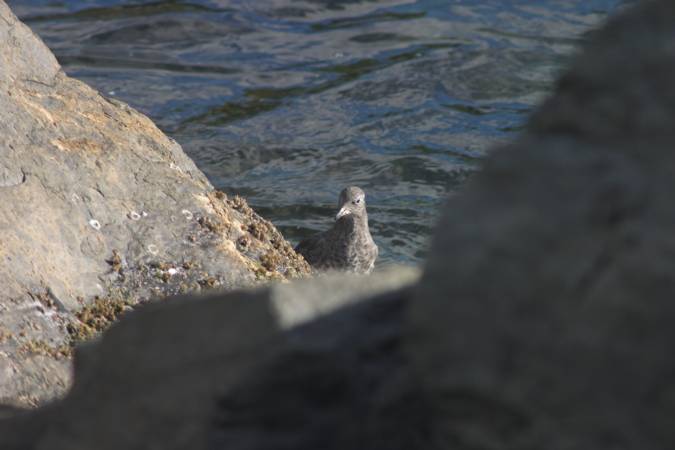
(352, 202)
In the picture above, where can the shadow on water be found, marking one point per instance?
(121, 11)
(288, 101)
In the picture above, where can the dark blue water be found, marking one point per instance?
(288, 101)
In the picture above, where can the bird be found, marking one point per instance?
(348, 245)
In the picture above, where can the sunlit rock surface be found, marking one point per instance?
(96, 201)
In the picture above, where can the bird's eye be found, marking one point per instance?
(357, 201)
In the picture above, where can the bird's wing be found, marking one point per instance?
(311, 247)
(374, 252)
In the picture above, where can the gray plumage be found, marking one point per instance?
(348, 245)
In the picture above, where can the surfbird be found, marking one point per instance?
(348, 245)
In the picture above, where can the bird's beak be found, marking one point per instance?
(343, 212)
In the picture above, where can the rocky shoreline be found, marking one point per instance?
(542, 320)
(99, 211)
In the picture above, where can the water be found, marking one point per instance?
(288, 101)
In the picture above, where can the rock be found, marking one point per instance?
(543, 319)
(342, 381)
(168, 367)
(305, 300)
(550, 327)
(95, 201)
(154, 360)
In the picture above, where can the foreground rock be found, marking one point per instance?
(551, 325)
(155, 378)
(96, 201)
(543, 319)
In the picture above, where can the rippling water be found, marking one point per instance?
(288, 101)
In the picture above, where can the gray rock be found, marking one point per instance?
(96, 201)
(305, 300)
(153, 361)
(550, 327)
(339, 382)
(169, 367)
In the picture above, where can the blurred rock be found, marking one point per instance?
(96, 201)
(160, 377)
(550, 327)
(306, 300)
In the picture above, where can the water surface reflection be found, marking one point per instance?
(288, 101)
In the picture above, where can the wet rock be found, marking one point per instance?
(96, 202)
